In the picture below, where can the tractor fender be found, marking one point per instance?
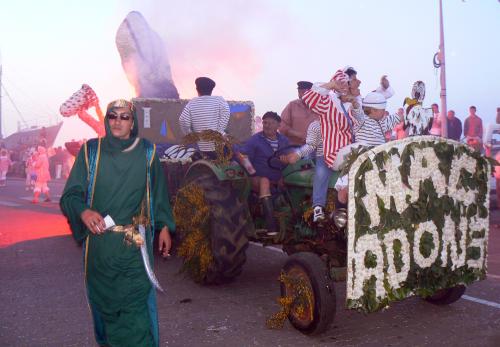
(223, 173)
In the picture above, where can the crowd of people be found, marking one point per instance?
(37, 164)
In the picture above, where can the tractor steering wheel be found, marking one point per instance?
(274, 162)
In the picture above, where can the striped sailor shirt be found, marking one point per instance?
(313, 141)
(370, 132)
(205, 113)
(335, 129)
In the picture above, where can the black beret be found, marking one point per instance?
(204, 83)
(273, 115)
(304, 85)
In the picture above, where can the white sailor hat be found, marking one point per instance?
(375, 100)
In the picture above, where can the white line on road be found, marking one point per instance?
(271, 248)
(466, 297)
(481, 301)
(10, 204)
(493, 276)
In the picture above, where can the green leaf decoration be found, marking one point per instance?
(429, 206)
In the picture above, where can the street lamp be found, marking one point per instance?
(440, 63)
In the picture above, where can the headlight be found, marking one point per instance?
(340, 218)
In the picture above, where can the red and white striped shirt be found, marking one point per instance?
(335, 129)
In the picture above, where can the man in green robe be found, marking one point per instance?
(120, 176)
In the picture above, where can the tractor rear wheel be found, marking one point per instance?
(227, 226)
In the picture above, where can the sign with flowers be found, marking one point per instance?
(418, 220)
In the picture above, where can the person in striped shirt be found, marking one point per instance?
(205, 112)
(372, 123)
(334, 130)
(369, 130)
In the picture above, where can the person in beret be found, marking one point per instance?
(296, 116)
(205, 112)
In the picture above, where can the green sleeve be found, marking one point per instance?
(162, 210)
(72, 201)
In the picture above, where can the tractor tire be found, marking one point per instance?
(446, 296)
(229, 222)
(317, 315)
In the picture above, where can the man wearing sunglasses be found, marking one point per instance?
(119, 176)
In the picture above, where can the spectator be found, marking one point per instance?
(42, 175)
(58, 159)
(454, 126)
(436, 121)
(30, 170)
(498, 115)
(400, 127)
(473, 129)
(5, 163)
(296, 117)
(259, 148)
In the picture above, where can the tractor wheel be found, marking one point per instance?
(306, 280)
(227, 223)
(446, 296)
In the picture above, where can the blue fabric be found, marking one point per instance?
(259, 151)
(163, 128)
(92, 145)
(238, 108)
(320, 182)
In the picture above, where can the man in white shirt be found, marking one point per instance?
(205, 112)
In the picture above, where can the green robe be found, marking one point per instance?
(121, 298)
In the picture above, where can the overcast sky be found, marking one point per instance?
(255, 50)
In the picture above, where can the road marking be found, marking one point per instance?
(481, 301)
(30, 198)
(466, 297)
(10, 204)
(271, 248)
(493, 276)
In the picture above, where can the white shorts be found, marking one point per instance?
(41, 187)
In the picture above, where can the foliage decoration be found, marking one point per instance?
(191, 214)
(418, 220)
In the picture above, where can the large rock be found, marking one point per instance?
(144, 59)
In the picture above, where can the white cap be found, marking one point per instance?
(375, 100)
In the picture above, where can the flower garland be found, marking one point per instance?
(191, 213)
(418, 220)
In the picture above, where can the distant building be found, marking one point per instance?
(32, 137)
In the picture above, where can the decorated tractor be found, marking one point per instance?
(417, 224)
(417, 220)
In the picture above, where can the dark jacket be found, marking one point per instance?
(259, 151)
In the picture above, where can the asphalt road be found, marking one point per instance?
(42, 301)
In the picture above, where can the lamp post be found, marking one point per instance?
(442, 65)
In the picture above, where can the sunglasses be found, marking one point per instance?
(123, 116)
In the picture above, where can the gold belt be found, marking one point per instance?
(122, 228)
(132, 235)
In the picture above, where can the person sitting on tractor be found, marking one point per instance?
(259, 148)
(205, 112)
(332, 101)
(372, 123)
